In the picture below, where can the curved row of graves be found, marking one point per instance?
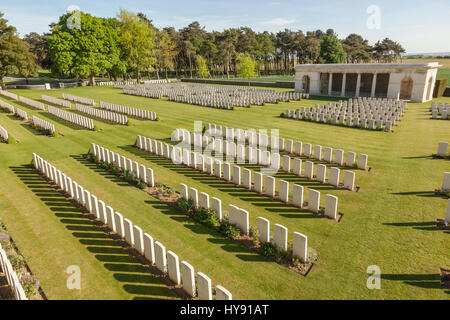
(72, 117)
(240, 217)
(58, 102)
(135, 112)
(222, 97)
(243, 154)
(43, 124)
(440, 110)
(364, 113)
(236, 216)
(154, 251)
(102, 114)
(296, 148)
(232, 174)
(11, 276)
(137, 170)
(82, 100)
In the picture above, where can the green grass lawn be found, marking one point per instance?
(388, 223)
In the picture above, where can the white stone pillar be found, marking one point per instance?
(358, 85)
(330, 84)
(344, 80)
(374, 85)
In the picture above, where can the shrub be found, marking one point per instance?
(128, 122)
(96, 128)
(11, 140)
(54, 134)
(157, 118)
(203, 129)
(104, 165)
(229, 230)
(30, 285)
(278, 101)
(17, 261)
(249, 106)
(254, 233)
(282, 115)
(206, 217)
(268, 249)
(115, 171)
(263, 104)
(233, 108)
(185, 205)
(142, 185)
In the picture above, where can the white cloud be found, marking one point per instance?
(278, 22)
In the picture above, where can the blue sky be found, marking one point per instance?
(421, 26)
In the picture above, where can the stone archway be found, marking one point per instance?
(305, 84)
(406, 88)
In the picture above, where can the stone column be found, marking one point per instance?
(374, 85)
(358, 85)
(330, 84)
(344, 80)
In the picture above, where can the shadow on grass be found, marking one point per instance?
(65, 123)
(425, 281)
(426, 194)
(106, 249)
(216, 238)
(176, 215)
(425, 226)
(254, 198)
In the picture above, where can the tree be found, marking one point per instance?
(246, 67)
(356, 48)
(165, 52)
(331, 50)
(85, 51)
(202, 68)
(39, 47)
(15, 55)
(138, 42)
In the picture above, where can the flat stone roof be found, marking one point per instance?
(368, 66)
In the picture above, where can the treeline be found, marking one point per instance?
(131, 46)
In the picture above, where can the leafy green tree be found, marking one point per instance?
(356, 48)
(85, 51)
(202, 68)
(166, 52)
(246, 67)
(15, 55)
(331, 50)
(138, 42)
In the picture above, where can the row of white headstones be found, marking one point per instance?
(135, 112)
(3, 133)
(43, 124)
(72, 117)
(11, 276)
(11, 109)
(144, 243)
(231, 174)
(241, 153)
(82, 100)
(240, 217)
(102, 114)
(261, 140)
(58, 102)
(441, 109)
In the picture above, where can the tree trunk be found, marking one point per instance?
(2, 84)
(167, 77)
(92, 79)
(138, 76)
(190, 66)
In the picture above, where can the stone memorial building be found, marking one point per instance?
(406, 81)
